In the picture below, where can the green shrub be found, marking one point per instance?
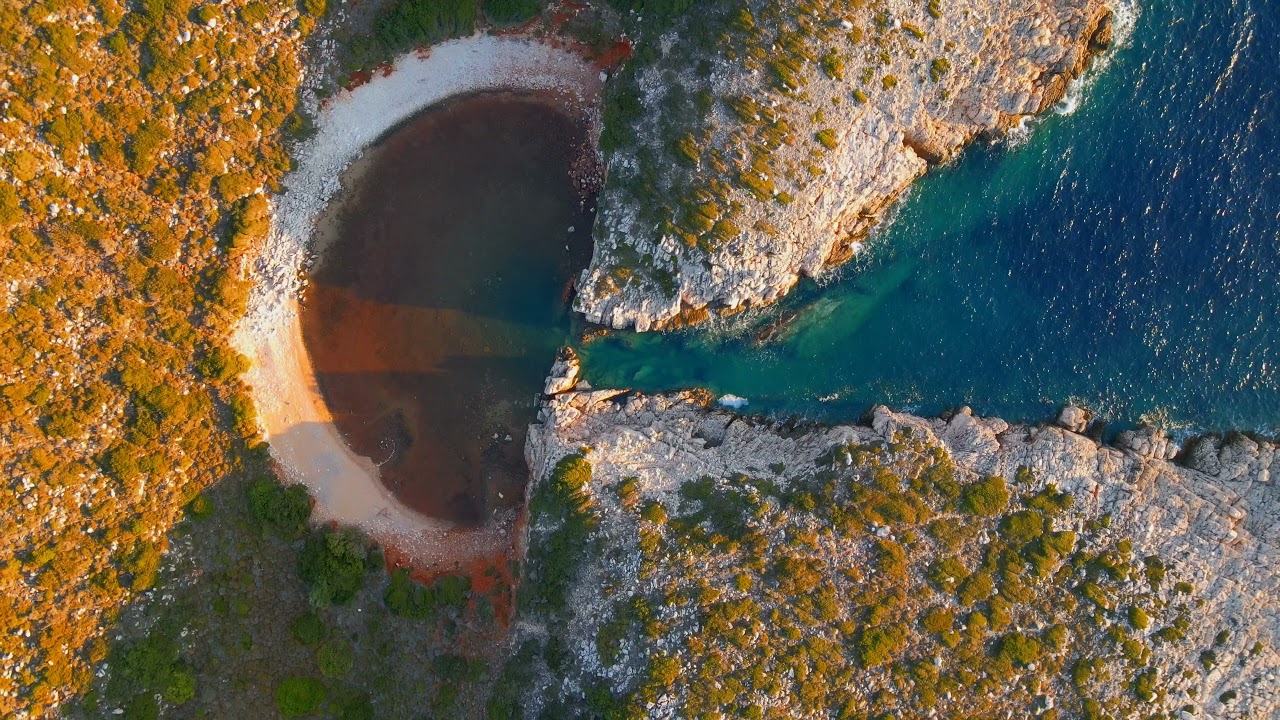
(833, 65)
(142, 707)
(452, 590)
(976, 588)
(762, 188)
(200, 506)
(879, 645)
(145, 147)
(1144, 686)
(407, 23)
(1208, 660)
(143, 564)
(798, 576)
(308, 629)
(358, 708)
(153, 666)
(987, 497)
(282, 509)
(1155, 570)
(314, 8)
(1096, 595)
(334, 565)
(629, 492)
(299, 696)
(1021, 649)
(938, 620)
(408, 599)
(10, 206)
(561, 499)
(1138, 618)
(253, 12)
(235, 185)
(947, 572)
(938, 68)
(664, 670)
(510, 11)
(724, 230)
(827, 137)
(221, 364)
(181, 686)
(1022, 527)
(335, 658)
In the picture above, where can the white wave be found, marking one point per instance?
(1125, 14)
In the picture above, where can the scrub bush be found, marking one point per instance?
(510, 11)
(308, 629)
(282, 509)
(408, 23)
(334, 565)
(299, 696)
(335, 658)
(987, 497)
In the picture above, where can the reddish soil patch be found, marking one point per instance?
(617, 54)
(360, 77)
(490, 575)
(356, 79)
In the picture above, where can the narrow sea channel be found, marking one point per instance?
(1125, 255)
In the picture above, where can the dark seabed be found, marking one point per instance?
(1125, 255)
(441, 299)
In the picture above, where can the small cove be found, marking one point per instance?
(441, 295)
(1122, 256)
(1126, 265)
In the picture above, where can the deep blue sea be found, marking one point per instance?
(1124, 253)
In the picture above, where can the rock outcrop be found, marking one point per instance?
(1214, 514)
(763, 143)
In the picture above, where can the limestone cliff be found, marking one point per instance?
(1208, 517)
(756, 142)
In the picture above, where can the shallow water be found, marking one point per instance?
(441, 298)
(1124, 255)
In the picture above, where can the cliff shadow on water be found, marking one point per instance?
(441, 295)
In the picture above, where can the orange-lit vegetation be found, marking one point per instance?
(887, 580)
(137, 141)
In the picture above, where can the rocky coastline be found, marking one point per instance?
(799, 148)
(1210, 507)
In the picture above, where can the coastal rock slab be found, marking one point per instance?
(1074, 418)
(1215, 520)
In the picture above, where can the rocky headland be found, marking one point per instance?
(759, 142)
(1163, 579)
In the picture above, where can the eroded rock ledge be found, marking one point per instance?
(766, 141)
(1212, 514)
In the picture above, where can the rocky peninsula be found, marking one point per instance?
(762, 141)
(968, 566)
